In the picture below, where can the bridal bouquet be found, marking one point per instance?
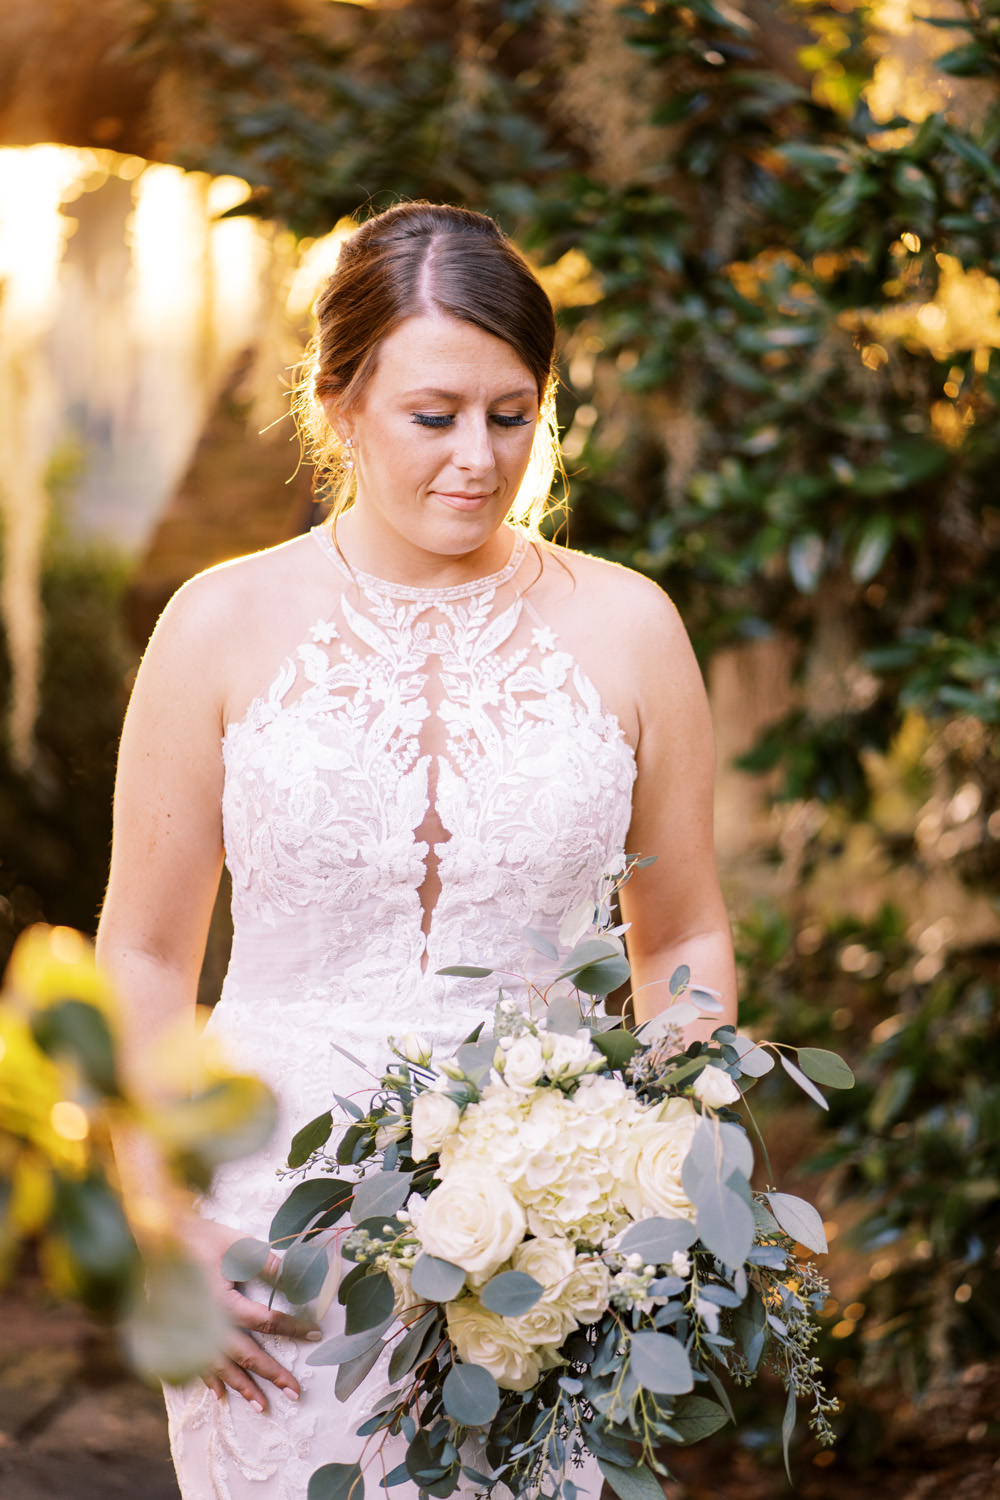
(554, 1245)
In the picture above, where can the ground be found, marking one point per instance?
(75, 1425)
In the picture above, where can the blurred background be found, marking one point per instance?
(772, 232)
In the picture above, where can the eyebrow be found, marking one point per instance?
(439, 395)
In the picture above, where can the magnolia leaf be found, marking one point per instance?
(660, 1364)
(618, 1046)
(245, 1260)
(437, 1280)
(755, 1061)
(635, 1482)
(656, 1240)
(471, 1395)
(353, 1371)
(336, 1482)
(511, 1293)
(344, 1347)
(380, 1195)
(324, 1196)
(304, 1269)
(312, 1137)
(803, 1082)
(369, 1301)
(696, 1417)
(825, 1067)
(799, 1219)
(680, 979)
(465, 971)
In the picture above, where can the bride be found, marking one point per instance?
(411, 734)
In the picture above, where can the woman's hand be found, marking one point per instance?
(243, 1358)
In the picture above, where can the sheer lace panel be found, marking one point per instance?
(426, 762)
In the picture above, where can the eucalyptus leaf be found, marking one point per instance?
(825, 1067)
(336, 1482)
(437, 1280)
(787, 1428)
(541, 943)
(803, 1082)
(244, 1260)
(303, 1271)
(353, 1371)
(680, 979)
(465, 971)
(346, 1346)
(706, 1002)
(511, 1293)
(411, 1347)
(318, 1203)
(799, 1220)
(369, 1301)
(681, 1013)
(380, 1195)
(755, 1060)
(660, 1363)
(656, 1240)
(563, 1015)
(471, 1395)
(603, 977)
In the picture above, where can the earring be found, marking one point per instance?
(347, 456)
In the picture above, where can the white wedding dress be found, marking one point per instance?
(453, 713)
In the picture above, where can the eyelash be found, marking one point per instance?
(426, 419)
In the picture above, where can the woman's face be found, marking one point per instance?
(441, 438)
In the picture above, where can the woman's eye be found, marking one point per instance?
(504, 419)
(427, 419)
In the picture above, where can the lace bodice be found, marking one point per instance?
(429, 773)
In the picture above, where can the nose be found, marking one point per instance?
(474, 445)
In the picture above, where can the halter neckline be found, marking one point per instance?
(414, 592)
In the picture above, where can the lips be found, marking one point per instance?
(463, 502)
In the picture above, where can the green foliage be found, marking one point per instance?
(56, 819)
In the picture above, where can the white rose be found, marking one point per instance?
(586, 1293)
(657, 1147)
(434, 1118)
(714, 1087)
(416, 1049)
(404, 1297)
(568, 1056)
(523, 1063)
(473, 1221)
(544, 1325)
(550, 1260)
(680, 1264)
(484, 1338)
(392, 1130)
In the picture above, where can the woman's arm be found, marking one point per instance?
(165, 866)
(675, 906)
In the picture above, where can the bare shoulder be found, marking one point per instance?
(631, 602)
(214, 598)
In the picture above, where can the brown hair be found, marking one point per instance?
(418, 259)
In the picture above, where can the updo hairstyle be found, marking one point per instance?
(420, 259)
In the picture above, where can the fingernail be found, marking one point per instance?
(257, 1406)
(289, 1394)
(314, 1336)
(216, 1396)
